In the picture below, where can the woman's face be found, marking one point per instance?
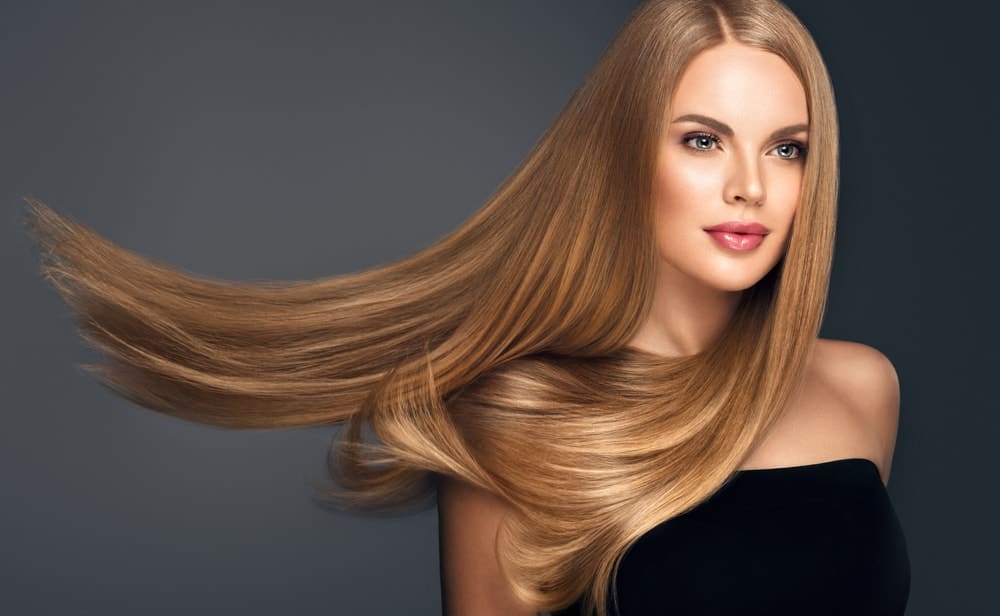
(741, 159)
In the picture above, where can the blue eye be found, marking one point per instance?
(710, 137)
(800, 148)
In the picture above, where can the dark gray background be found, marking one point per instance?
(259, 141)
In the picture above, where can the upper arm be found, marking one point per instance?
(472, 584)
(875, 389)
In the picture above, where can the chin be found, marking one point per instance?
(735, 286)
(733, 282)
(723, 277)
(737, 277)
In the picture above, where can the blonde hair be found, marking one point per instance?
(498, 355)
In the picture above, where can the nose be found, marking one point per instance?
(745, 184)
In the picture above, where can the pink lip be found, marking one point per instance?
(739, 226)
(736, 241)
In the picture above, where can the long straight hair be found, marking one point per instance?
(497, 356)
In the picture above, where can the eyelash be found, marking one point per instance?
(802, 148)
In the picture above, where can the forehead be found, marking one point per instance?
(736, 83)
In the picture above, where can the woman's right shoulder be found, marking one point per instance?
(472, 583)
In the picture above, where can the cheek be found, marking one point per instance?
(680, 196)
(685, 183)
(671, 189)
(785, 183)
(784, 200)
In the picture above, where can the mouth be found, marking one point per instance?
(740, 226)
(736, 241)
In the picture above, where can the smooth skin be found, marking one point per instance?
(849, 403)
(704, 177)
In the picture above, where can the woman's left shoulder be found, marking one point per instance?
(866, 379)
(855, 361)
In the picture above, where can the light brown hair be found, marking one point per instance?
(498, 355)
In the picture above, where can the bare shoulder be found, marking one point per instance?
(471, 580)
(866, 380)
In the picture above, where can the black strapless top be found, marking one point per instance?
(799, 540)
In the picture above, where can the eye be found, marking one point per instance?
(800, 149)
(702, 137)
(708, 139)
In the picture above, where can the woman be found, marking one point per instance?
(619, 399)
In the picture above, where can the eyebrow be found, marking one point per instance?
(726, 130)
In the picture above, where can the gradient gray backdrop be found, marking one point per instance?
(292, 140)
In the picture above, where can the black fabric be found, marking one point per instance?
(800, 540)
